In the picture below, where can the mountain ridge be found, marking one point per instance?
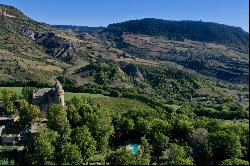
(54, 53)
(80, 29)
(194, 30)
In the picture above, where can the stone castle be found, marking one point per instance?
(48, 96)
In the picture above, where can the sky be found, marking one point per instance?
(104, 12)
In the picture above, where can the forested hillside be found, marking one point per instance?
(215, 50)
(180, 30)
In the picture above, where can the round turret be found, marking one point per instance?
(58, 87)
(59, 93)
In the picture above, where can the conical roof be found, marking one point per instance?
(58, 87)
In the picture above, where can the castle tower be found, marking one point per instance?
(59, 93)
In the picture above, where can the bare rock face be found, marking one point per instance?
(54, 45)
(59, 47)
(5, 13)
(31, 34)
(28, 33)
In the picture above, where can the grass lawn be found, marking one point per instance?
(67, 95)
(18, 90)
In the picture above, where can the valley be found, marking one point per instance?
(177, 91)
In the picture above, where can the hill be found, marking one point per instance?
(180, 30)
(212, 49)
(34, 53)
(179, 97)
(79, 29)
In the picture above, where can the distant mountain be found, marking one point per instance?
(179, 30)
(215, 50)
(31, 50)
(79, 29)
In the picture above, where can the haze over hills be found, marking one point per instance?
(80, 29)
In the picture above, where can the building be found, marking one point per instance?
(1, 129)
(10, 139)
(46, 96)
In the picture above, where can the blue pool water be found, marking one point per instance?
(134, 148)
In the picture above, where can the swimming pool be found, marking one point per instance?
(134, 148)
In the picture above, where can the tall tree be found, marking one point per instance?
(81, 136)
(10, 108)
(73, 115)
(27, 93)
(71, 155)
(225, 144)
(99, 121)
(199, 142)
(78, 101)
(122, 156)
(57, 121)
(44, 146)
(177, 155)
(8, 95)
(28, 113)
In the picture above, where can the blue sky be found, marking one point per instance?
(104, 12)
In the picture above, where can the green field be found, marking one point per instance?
(67, 95)
(18, 90)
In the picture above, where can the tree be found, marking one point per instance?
(44, 146)
(225, 144)
(27, 93)
(158, 135)
(28, 113)
(71, 155)
(45, 151)
(146, 147)
(48, 135)
(182, 126)
(115, 93)
(144, 154)
(160, 143)
(177, 155)
(86, 143)
(199, 142)
(143, 126)
(73, 115)
(160, 126)
(23, 104)
(127, 124)
(85, 111)
(122, 156)
(78, 101)
(99, 121)
(234, 161)
(10, 108)
(57, 120)
(8, 95)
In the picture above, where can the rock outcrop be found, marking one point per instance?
(5, 13)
